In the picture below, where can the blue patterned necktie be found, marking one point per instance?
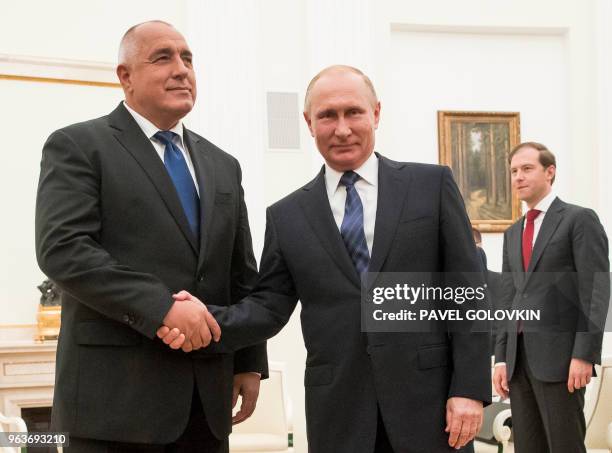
(183, 182)
(352, 224)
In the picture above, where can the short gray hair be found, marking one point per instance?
(338, 68)
(127, 46)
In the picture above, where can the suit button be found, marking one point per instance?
(126, 319)
(524, 296)
(201, 278)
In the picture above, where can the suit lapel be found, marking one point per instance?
(134, 141)
(515, 251)
(550, 223)
(315, 204)
(516, 246)
(391, 188)
(205, 174)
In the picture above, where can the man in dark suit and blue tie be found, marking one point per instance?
(556, 261)
(366, 392)
(133, 207)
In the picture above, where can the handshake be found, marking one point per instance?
(188, 325)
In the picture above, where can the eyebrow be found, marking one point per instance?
(334, 110)
(169, 51)
(161, 51)
(325, 112)
(516, 167)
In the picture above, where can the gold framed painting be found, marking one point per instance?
(475, 145)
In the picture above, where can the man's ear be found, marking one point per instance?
(551, 170)
(124, 76)
(376, 115)
(309, 122)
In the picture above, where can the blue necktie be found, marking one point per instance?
(183, 182)
(352, 224)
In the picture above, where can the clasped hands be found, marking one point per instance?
(188, 325)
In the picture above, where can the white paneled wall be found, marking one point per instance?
(547, 59)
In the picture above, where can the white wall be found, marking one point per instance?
(74, 29)
(547, 59)
(602, 159)
(459, 69)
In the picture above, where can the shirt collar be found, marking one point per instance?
(544, 204)
(151, 129)
(368, 173)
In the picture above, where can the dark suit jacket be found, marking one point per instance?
(111, 232)
(421, 225)
(567, 279)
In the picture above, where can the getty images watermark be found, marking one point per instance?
(473, 302)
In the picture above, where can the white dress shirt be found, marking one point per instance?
(543, 205)
(151, 129)
(367, 188)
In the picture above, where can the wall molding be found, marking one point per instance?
(54, 70)
(477, 29)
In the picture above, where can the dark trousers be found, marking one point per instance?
(197, 438)
(382, 440)
(383, 445)
(546, 417)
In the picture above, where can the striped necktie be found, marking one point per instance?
(351, 229)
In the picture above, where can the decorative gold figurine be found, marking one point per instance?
(49, 312)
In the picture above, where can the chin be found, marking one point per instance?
(346, 166)
(347, 161)
(181, 108)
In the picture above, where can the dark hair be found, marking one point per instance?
(545, 157)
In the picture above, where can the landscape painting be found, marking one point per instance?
(475, 145)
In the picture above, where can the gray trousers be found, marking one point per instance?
(546, 417)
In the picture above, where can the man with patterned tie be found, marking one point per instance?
(555, 260)
(366, 392)
(133, 207)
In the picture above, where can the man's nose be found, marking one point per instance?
(342, 128)
(180, 69)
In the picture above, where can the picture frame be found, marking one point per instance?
(475, 145)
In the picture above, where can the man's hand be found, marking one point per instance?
(580, 374)
(500, 381)
(188, 325)
(246, 385)
(463, 420)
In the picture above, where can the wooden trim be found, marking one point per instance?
(57, 80)
(445, 156)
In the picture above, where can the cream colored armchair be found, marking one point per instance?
(12, 424)
(598, 409)
(268, 429)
